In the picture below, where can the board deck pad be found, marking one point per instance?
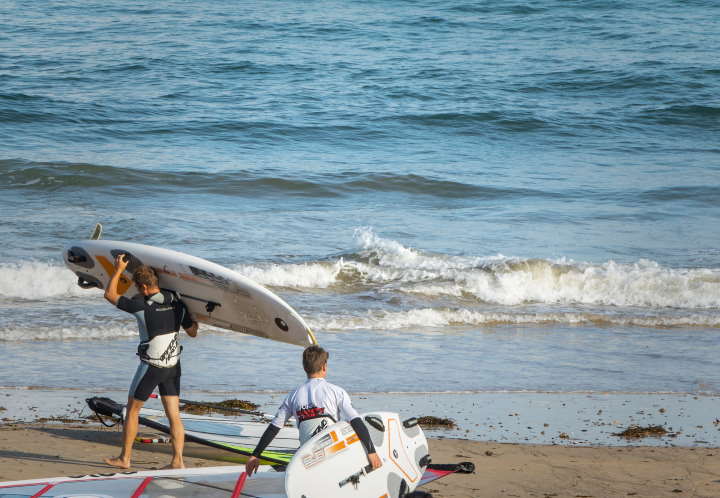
(212, 293)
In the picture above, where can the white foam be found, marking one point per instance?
(386, 253)
(39, 333)
(428, 318)
(38, 280)
(643, 284)
(311, 275)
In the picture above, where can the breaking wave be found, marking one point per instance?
(35, 280)
(388, 266)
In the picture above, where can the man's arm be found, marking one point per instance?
(187, 322)
(111, 293)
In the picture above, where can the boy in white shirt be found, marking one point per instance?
(315, 404)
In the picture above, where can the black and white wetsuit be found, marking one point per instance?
(159, 319)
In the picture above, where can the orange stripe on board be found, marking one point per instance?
(333, 436)
(123, 284)
(165, 272)
(337, 447)
(352, 439)
(190, 278)
(391, 424)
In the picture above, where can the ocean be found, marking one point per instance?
(458, 197)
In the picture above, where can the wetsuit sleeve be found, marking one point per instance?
(283, 414)
(129, 305)
(361, 430)
(186, 320)
(345, 408)
(266, 439)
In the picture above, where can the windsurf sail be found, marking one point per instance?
(226, 481)
(222, 481)
(237, 437)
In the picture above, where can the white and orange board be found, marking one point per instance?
(214, 294)
(334, 462)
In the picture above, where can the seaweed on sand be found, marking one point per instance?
(435, 422)
(637, 432)
(227, 406)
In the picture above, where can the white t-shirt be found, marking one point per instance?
(312, 403)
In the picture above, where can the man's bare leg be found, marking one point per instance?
(177, 431)
(130, 428)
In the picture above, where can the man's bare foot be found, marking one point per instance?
(118, 462)
(174, 465)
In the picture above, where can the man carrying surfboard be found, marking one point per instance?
(315, 404)
(159, 314)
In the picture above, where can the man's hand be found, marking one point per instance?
(192, 329)
(111, 293)
(251, 465)
(375, 460)
(121, 262)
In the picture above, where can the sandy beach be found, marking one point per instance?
(504, 470)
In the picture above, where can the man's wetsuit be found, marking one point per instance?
(159, 319)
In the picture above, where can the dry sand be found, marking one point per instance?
(502, 470)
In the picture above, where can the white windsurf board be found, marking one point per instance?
(212, 293)
(334, 462)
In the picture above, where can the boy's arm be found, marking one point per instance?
(282, 415)
(348, 412)
(111, 293)
(361, 430)
(254, 461)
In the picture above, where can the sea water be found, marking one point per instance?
(467, 197)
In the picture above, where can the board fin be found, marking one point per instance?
(97, 232)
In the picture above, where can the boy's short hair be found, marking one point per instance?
(144, 275)
(314, 358)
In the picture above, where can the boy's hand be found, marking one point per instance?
(375, 460)
(251, 465)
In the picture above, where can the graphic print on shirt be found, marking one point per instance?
(161, 350)
(308, 412)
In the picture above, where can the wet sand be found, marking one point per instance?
(504, 470)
